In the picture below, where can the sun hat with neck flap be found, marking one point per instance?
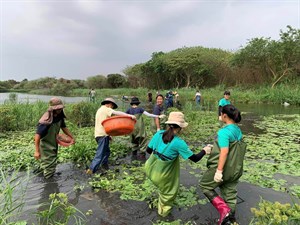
(55, 103)
(177, 118)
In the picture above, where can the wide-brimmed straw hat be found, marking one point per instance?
(135, 101)
(56, 103)
(177, 118)
(109, 100)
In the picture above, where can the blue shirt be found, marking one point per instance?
(172, 149)
(229, 133)
(134, 111)
(158, 110)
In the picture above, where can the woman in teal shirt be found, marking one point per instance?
(225, 166)
(163, 167)
(224, 101)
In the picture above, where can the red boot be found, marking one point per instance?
(222, 208)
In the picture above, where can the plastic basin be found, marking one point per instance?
(63, 140)
(118, 125)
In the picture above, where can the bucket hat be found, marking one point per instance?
(109, 100)
(135, 101)
(56, 103)
(177, 118)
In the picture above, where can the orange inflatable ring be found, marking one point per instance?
(64, 140)
(118, 125)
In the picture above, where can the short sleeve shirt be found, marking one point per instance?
(102, 113)
(224, 102)
(158, 110)
(176, 147)
(229, 133)
(42, 129)
(134, 111)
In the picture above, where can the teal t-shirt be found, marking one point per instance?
(176, 147)
(224, 102)
(229, 133)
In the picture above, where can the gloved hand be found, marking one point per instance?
(207, 149)
(161, 116)
(133, 117)
(218, 176)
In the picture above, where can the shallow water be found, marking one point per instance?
(109, 209)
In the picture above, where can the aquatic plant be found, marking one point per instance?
(60, 211)
(270, 213)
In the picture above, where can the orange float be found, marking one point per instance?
(118, 125)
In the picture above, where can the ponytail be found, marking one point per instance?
(168, 135)
(232, 112)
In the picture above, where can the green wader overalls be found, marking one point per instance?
(49, 148)
(165, 176)
(139, 135)
(232, 171)
(161, 123)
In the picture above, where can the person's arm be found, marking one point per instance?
(222, 159)
(67, 132)
(156, 121)
(149, 150)
(150, 115)
(206, 150)
(37, 153)
(119, 113)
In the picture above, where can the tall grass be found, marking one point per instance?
(12, 192)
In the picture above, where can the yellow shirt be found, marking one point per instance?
(102, 113)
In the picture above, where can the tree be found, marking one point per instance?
(98, 81)
(276, 60)
(115, 80)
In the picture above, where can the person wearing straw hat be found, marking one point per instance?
(225, 166)
(139, 135)
(46, 146)
(163, 165)
(102, 138)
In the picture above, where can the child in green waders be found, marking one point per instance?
(139, 135)
(45, 138)
(225, 166)
(163, 167)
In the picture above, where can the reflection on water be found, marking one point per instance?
(24, 98)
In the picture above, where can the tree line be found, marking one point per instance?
(261, 61)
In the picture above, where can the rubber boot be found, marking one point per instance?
(223, 210)
(232, 218)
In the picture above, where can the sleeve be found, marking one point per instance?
(63, 124)
(149, 114)
(153, 141)
(42, 130)
(223, 138)
(127, 111)
(183, 149)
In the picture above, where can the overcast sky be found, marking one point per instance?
(77, 39)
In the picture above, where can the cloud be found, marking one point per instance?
(77, 39)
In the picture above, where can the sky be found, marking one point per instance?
(78, 39)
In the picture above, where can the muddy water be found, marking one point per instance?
(109, 209)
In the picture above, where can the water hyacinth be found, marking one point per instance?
(270, 213)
